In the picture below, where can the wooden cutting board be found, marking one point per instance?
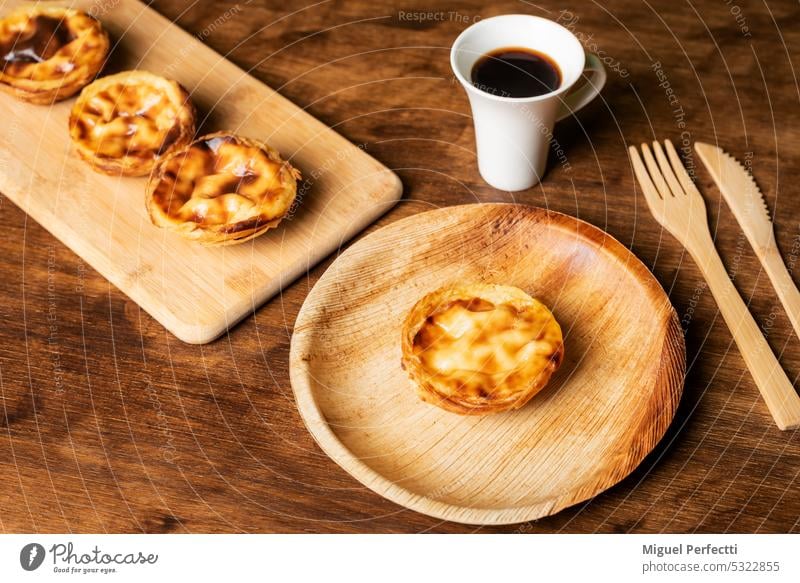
(195, 292)
(602, 413)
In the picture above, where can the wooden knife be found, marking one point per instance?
(744, 198)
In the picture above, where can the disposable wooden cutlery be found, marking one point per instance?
(678, 206)
(747, 203)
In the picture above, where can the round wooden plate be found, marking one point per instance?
(604, 410)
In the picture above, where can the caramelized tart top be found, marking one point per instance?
(481, 348)
(130, 119)
(222, 184)
(43, 48)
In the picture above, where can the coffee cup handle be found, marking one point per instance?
(578, 98)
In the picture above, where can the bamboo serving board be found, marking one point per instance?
(195, 292)
(603, 411)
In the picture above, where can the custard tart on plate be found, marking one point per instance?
(221, 189)
(122, 123)
(50, 53)
(476, 349)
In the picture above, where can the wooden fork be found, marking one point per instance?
(678, 206)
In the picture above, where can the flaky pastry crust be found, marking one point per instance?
(476, 349)
(122, 124)
(50, 53)
(221, 189)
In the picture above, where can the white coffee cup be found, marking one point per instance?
(513, 134)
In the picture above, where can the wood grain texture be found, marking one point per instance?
(108, 423)
(743, 197)
(605, 409)
(196, 292)
(679, 207)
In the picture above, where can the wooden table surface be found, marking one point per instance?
(110, 424)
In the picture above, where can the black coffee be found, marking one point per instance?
(516, 72)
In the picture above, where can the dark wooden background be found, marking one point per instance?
(110, 424)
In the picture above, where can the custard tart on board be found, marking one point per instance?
(477, 348)
(50, 53)
(198, 294)
(122, 124)
(221, 189)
